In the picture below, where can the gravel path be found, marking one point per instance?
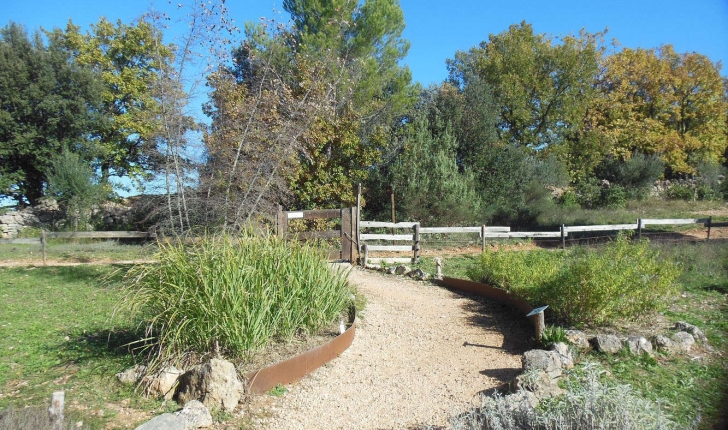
(421, 354)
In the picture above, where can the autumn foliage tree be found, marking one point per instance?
(656, 101)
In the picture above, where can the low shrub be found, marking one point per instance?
(521, 272)
(621, 280)
(614, 197)
(588, 403)
(234, 294)
(680, 192)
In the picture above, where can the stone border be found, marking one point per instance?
(501, 296)
(295, 368)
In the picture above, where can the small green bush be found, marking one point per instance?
(614, 197)
(621, 280)
(234, 294)
(707, 193)
(522, 272)
(680, 192)
(569, 199)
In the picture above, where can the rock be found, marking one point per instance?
(698, 334)
(131, 376)
(607, 343)
(521, 400)
(538, 359)
(663, 343)
(391, 270)
(402, 270)
(164, 422)
(567, 360)
(638, 345)
(683, 341)
(215, 384)
(196, 415)
(163, 383)
(539, 383)
(419, 274)
(578, 338)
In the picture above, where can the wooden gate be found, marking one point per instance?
(347, 233)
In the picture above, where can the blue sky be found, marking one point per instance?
(437, 29)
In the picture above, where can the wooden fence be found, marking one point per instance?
(487, 232)
(45, 235)
(346, 233)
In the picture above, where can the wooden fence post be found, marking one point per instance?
(43, 241)
(639, 228)
(710, 223)
(56, 410)
(482, 235)
(358, 217)
(346, 234)
(563, 236)
(353, 228)
(365, 250)
(416, 244)
(282, 223)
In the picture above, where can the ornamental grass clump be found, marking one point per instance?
(234, 295)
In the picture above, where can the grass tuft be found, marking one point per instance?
(233, 295)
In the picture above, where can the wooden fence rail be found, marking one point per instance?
(45, 235)
(494, 232)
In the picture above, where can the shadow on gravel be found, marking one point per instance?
(492, 316)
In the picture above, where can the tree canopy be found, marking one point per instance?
(48, 103)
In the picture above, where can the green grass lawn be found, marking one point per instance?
(57, 333)
(80, 251)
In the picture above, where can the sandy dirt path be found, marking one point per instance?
(421, 354)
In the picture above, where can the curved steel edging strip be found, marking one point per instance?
(501, 296)
(295, 368)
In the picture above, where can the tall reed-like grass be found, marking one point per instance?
(235, 294)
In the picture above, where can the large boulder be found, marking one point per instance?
(607, 343)
(216, 384)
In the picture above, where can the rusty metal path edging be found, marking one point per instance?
(291, 370)
(498, 295)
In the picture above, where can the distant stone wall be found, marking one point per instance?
(110, 216)
(12, 222)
